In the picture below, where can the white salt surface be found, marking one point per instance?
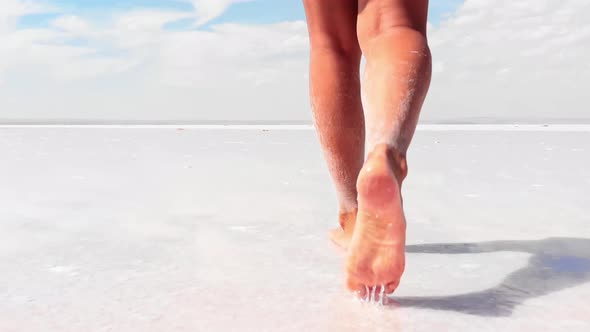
(147, 229)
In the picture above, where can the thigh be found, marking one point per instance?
(332, 24)
(377, 16)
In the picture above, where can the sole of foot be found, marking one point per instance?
(376, 252)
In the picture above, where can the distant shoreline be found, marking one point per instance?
(268, 127)
(453, 122)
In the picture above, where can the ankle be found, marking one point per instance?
(347, 202)
(395, 158)
(346, 219)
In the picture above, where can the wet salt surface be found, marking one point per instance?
(224, 230)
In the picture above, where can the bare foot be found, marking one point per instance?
(341, 236)
(376, 255)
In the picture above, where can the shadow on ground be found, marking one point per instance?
(556, 264)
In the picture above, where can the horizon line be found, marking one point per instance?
(423, 127)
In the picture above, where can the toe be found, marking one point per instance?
(391, 287)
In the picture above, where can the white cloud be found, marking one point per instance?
(141, 28)
(492, 59)
(130, 67)
(207, 10)
(233, 50)
(512, 60)
(12, 9)
(70, 23)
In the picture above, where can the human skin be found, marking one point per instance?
(377, 112)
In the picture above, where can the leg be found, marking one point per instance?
(392, 36)
(336, 99)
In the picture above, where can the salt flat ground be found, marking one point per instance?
(211, 229)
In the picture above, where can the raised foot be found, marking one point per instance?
(341, 236)
(376, 255)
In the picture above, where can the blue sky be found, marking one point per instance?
(257, 11)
